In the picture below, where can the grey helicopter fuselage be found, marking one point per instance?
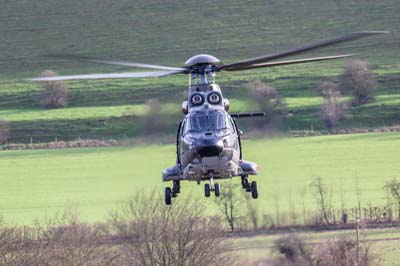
(208, 139)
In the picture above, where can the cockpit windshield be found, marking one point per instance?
(207, 122)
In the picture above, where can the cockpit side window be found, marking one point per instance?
(183, 126)
(232, 125)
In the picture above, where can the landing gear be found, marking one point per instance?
(168, 196)
(208, 188)
(245, 183)
(216, 189)
(250, 187)
(172, 193)
(254, 189)
(176, 188)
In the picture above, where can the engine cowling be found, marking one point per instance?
(185, 109)
(226, 104)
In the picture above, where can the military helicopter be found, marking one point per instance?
(208, 140)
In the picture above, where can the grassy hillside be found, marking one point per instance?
(36, 183)
(168, 33)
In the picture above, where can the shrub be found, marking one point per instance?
(360, 81)
(333, 109)
(179, 234)
(61, 241)
(331, 252)
(344, 251)
(3, 131)
(268, 101)
(153, 123)
(56, 92)
(295, 251)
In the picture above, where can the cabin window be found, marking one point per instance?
(207, 122)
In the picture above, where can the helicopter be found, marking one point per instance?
(208, 139)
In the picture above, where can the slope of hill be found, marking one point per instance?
(168, 33)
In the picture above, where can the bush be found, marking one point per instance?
(61, 241)
(268, 101)
(343, 251)
(360, 81)
(331, 252)
(153, 122)
(333, 109)
(56, 92)
(295, 251)
(3, 131)
(179, 234)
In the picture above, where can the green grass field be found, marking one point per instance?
(95, 181)
(168, 33)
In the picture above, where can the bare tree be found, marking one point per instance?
(180, 234)
(268, 101)
(3, 131)
(333, 109)
(322, 199)
(360, 81)
(393, 187)
(252, 210)
(230, 204)
(56, 92)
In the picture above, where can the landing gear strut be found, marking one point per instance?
(250, 187)
(176, 188)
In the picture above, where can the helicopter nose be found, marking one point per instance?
(209, 147)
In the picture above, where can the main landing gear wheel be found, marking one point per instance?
(254, 189)
(216, 189)
(168, 195)
(207, 190)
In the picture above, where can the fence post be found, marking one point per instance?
(358, 241)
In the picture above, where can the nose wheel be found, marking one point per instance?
(250, 187)
(208, 188)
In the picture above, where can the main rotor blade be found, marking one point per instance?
(290, 62)
(132, 64)
(111, 62)
(294, 51)
(110, 76)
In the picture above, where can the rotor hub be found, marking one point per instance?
(202, 59)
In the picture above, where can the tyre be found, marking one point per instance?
(207, 190)
(216, 189)
(168, 196)
(254, 189)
